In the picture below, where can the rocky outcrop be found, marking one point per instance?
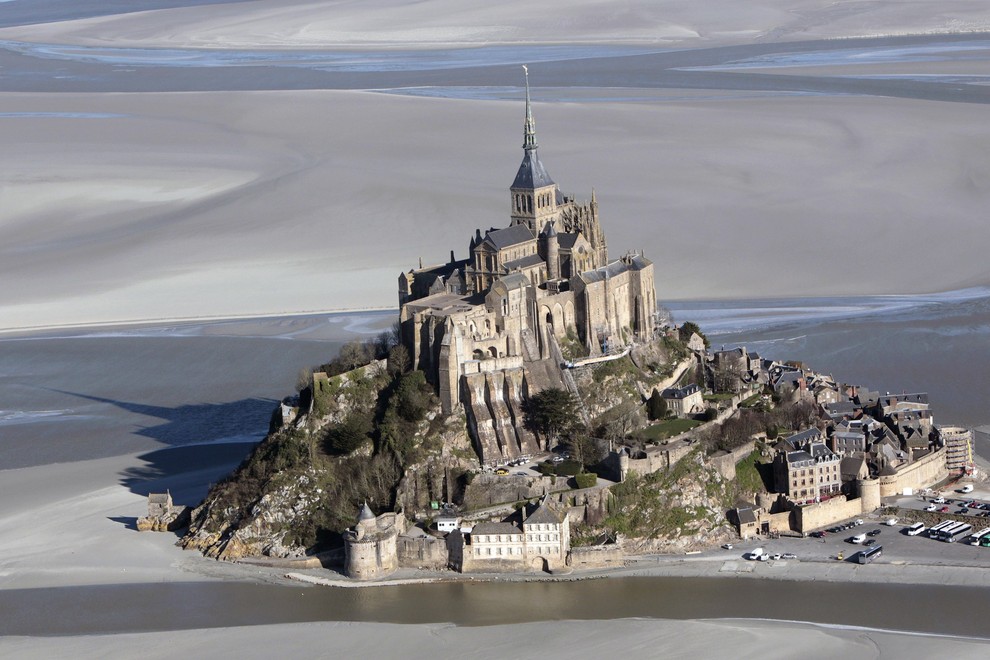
(176, 519)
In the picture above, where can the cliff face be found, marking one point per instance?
(610, 390)
(668, 511)
(370, 436)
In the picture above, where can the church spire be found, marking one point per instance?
(529, 133)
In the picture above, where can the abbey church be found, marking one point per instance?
(485, 329)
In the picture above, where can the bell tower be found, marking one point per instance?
(534, 195)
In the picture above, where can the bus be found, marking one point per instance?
(974, 539)
(953, 534)
(949, 530)
(868, 555)
(935, 529)
(985, 541)
(915, 529)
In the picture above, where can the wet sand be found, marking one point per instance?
(638, 638)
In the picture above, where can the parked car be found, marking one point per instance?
(764, 557)
(968, 488)
(818, 535)
(944, 509)
(727, 546)
(873, 532)
(938, 500)
(501, 472)
(931, 507)
(789, 555)
(869, 542)
(776, 556)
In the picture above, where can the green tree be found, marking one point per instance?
(348, 435)
(689, 328)
(656, 406)
(552, 412)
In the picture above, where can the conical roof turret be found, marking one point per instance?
(366, 513)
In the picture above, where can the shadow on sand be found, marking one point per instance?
(194, 460)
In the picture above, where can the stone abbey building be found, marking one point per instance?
(485, 328)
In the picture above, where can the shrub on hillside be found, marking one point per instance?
(586, 479)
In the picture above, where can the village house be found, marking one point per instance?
(809, 473)
(539, 541)
(684, 401)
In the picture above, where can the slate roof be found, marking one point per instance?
(525, 262)
(514, 281)
(566, 241)
(615, 268)
(514, 235)
(495, 528)
(820, 451)
(852, 465)
(892, 400)
(810, 434)
(680, 392)
(746, 516)
(531, 172)
(544, 515)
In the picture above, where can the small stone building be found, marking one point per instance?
(540, 543)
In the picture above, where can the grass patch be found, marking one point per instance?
(722, 396)
(748, 478)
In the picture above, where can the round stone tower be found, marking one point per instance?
(370, 550)
(869, 494)
(552, 251)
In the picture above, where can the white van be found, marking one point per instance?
(859, 538)
(755, 554)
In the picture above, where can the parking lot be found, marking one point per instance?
(974, 504)
(898, 547)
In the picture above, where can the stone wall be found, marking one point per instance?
(597, 556)
(920, 474)
(726, 463)
(815, 516)
(422, 552)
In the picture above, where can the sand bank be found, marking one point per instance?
(257, 203)
(309, 24)
(636, 638)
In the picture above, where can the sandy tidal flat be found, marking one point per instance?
(149, 206)
(306, 23)
(635, 638)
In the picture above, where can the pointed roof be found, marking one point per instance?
(544, 515)
(531, 172)
(513, 235)
(366, 513)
